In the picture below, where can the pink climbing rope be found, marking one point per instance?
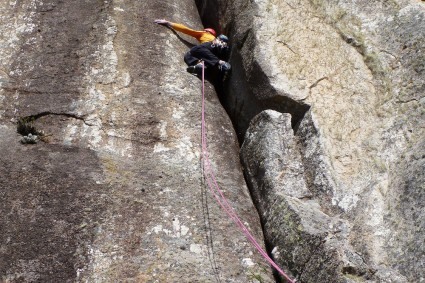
(218, 193)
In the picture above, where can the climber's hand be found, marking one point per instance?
(224, 66)
(162, 22)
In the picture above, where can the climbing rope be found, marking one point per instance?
(218, 193)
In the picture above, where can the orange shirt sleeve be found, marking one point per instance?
(200, 35)
(206, 37)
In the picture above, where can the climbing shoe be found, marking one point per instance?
(196, 69)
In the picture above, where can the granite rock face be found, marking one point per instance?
(302, 235)
(351, 75)
(100, 176)
(112, 190)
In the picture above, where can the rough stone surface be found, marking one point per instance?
(294, 222)
(112, 191)
(358, 67)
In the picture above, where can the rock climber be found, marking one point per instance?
(212, 53)
(205, 35)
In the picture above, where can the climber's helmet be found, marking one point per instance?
(223, 38)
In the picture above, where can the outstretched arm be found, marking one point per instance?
(198, 34)
(180, 28)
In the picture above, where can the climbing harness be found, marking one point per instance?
(218, 193)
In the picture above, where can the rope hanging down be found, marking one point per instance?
(218, 193)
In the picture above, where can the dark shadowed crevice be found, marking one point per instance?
(240, 97)
(210, 15)
(47, 113)
(27, 125)
(246, 95)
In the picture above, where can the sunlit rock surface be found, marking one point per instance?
(351, 74)
(113, 190)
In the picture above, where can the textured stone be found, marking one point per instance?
(357, 67)
(113, 192)
(295, 225)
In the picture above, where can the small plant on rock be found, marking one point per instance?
(26, 126)
(27, 129)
